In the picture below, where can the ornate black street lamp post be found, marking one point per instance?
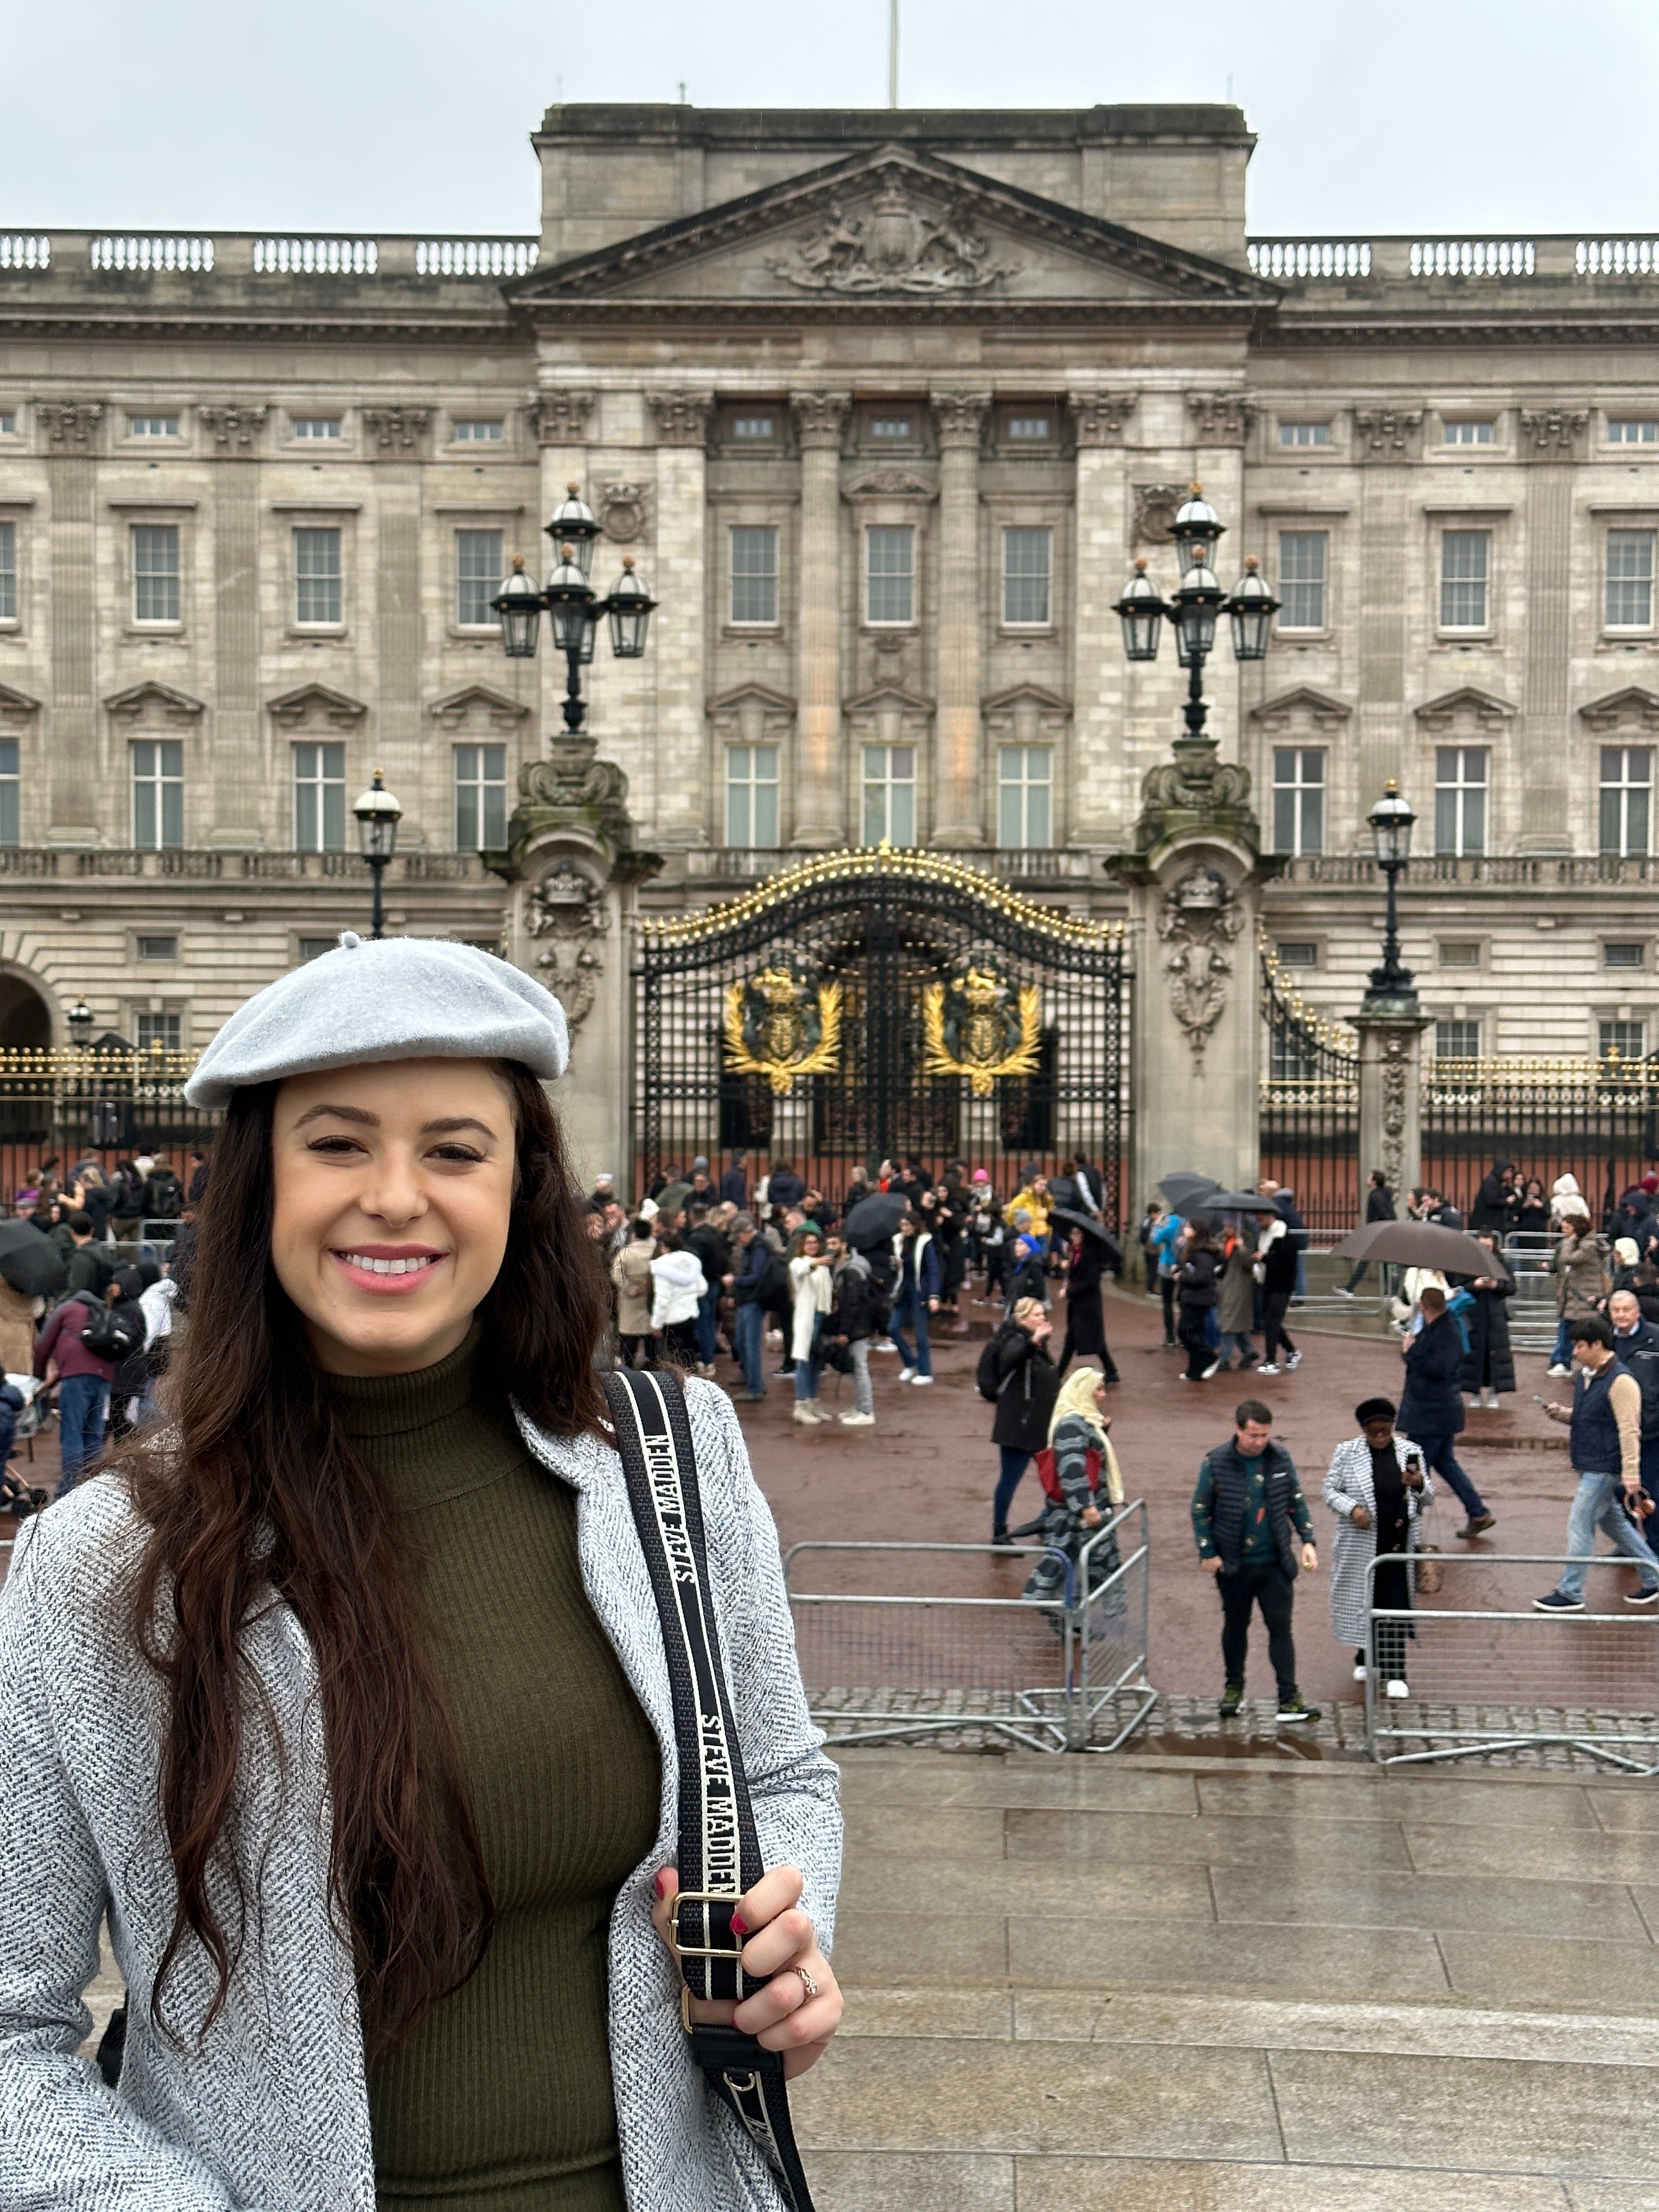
(378, 815)
(1192, 610)
(1391, 821)
(573, 608)
(79, 1024)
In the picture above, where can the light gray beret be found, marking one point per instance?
(406, 998)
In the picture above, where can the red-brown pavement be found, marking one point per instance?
(926, 1471)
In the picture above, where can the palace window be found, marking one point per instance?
(1460, 800)
(1628, 1039)
(1028, 558)
(155, 572)
(7, 421)
(163, 1031)
(1299, 799)
(11, 788)
(478, 578)
(319, 798)
(312, 948)
(1029, 430)
(1304, 434)
(1026, 795)
(1466, 434)
(1624, 955)
(156, 948)
(152, 426)
(1459, 953)
(158, 793)
(1629, 580)
(478, 430)
(480, 799)
(7, 572)
(1465, 575)
(891, 429)
(751, 797)
(1626, 799)
(889, 573)
(1304, 568)
(317, 577)
(755, 575)
(889, 794)
(1626, 432)
(1459, 1040)
(1297, 952)
(753, 430)
(313, 427)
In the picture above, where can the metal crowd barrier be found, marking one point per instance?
(905, 1644)
(1532, 1315)
(1488, 1673)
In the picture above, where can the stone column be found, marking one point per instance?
(1549, 437)
(820, 805)
(959, 801)
(1386, 441)
(1098, 806)
(77, 816)
(396, 433)
(680, 621)
(237, 758)
(1391, 1093)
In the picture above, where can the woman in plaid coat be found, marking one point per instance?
(1377, 1486)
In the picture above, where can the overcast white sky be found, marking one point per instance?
(1467, 115)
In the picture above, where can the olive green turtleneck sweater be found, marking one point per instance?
(501, 2101)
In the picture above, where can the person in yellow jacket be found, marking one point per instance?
(1032, 1199)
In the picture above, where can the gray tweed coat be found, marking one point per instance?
(1347, 1484)
(271, 2114)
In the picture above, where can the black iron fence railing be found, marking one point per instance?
(1310, 1106)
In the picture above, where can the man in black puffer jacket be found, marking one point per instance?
(1248, 1514)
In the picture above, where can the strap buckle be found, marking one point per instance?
(727, 1951)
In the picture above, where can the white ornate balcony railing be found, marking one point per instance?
(315, 257)
(1310, 256)
(25, 249)
(176, 862)
(474, 257)
(1617, 256)
(1581, 871)
(749, 864)
(113, 251)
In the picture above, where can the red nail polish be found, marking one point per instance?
(739, 1925)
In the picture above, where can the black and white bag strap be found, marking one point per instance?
(719, 1849)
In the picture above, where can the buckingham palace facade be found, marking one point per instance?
(885, 405)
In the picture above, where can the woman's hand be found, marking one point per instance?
(1361, 1518)
(1090, 1516)
(779, 1943)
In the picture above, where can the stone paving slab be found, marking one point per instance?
(1522, 1970)
(1341, 1894)
(1231, 1839)
(1144, 2186)
(1551, 1854)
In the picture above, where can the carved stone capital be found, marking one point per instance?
(1554, 432)
(69, 422)
(232, 426)
(960, 416)
(682, 416)
(391, 427)
(1385, 433)
(820, 417)
(1221, 418)
(1098, 417)
(559, 416)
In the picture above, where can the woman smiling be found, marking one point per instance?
(346, 1695)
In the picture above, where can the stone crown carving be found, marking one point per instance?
(623, 510)
(1387, 429)
(560, 416)
(232, 426)
(391, 427)
(901, 245)
(682, 416)
(1553, 429)
(820, 417)
(1156, 508)
(69, 422)
(1098, 417)
(1222, 418)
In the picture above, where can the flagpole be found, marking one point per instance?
(892, 52)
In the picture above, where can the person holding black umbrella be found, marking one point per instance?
(1085, 1318)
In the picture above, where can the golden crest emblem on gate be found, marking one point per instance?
(978, 1026)
(780, 1024)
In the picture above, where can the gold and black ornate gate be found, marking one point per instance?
(875, 1004)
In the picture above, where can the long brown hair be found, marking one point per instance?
(256, 1485)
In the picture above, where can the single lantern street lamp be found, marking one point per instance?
(378, 815)
(1192, 609)
(80, 1023)
(1391, 821)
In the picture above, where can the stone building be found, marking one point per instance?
(885, 404)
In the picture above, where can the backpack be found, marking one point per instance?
(1643, 1367)
(1047, 1471)
(115, 1333)
(164, 1196)
(988, 1380)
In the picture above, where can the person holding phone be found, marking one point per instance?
(1377, 1486)
(1027, 1385)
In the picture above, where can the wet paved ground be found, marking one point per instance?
(927, 1472)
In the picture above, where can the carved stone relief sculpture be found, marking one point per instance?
(899, 246)
(1198, 920)
(568, 917)
(1396, 1053)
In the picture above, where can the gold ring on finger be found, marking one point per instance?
(807, 1983)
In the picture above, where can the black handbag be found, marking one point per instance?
(720, 1855)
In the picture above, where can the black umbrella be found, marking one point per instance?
(1091, 1227)
(1424, 1244)
(30, 1262)
(874, 1220)
(1182, 1189)
(1233, 1201)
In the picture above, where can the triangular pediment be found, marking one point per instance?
(317, 703)
(892, 225)
(1634, 707)
(1302, 703)
(481, 701)
(752, 695)
(887, 694)
(159, 700)
(1022, 694)
(1482, 708)
(15, 705)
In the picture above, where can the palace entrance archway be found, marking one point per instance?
(872, 1003)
